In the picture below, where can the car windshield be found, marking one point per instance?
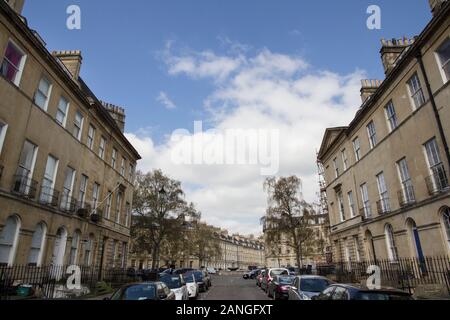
(285, 280)
(313, 285)
(277, 272)
(137, 292)
(173, 282)
(198, 276)
(382, 296)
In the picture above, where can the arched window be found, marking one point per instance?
(390, 243)
(446, 224)
(88, 249)
(370, 246)
(59, 249)
(9, 237)
(37, 245)
(74, 248)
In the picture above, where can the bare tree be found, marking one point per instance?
(288, 217)
(204, 245)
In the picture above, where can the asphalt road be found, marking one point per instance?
(233, 287)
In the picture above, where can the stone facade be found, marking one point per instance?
(62, 157)
(387, 172)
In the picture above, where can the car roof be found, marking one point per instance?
(365, 288)
(313, 277)
(141, 284)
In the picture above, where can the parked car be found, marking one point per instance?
(279, 287)
(251, 274)
(192, 285)
(200, 279)
(143, 291)
(182, 270)
(211, 270)
(259, 277)
(207, 278)
(270, 274)
(176, 284)
(355, 292)
(307, 287)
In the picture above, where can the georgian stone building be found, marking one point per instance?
(237, 252)
(387, 171)
(66, 168)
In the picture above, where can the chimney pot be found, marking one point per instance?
(368, 88)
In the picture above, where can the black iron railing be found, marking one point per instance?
(403, 273)
(49, 196)
(366, 212)
(68, 204)
(383, 206)
(24, 186)
(46, 281)
(406, 196)
(437, 182)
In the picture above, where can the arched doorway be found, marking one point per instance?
(59, 248)
(73, 259)
(37, 245)
(416, 244)
(9, 238)
(390, 243)
(370, 246)
(445, 217)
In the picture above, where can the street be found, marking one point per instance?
(233, 287)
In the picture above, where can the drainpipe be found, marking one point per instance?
(435, 109)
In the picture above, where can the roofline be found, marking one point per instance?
(14, 18)
(412, 52)
(322, 150)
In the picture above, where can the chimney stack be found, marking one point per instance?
(436, 5)
(117, 113)
(368, 88)
(71, 60)
(391, 51)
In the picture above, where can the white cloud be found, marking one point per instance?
(265, 90)
(164, 99)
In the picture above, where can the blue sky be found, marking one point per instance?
(120, 41)
(290, 66)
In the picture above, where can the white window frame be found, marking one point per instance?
(366, 200)
(13, 246)
(417, 91)
(336, 167)
(119, 200)
(372, 134)
(78, 137)
(391, 117)
(3, 130)
(108, 205)
(114, 158)
(52, 179)
(340, 198)
(357, 148)
(95, 196)
(83, 189)
(91, 137)
(390, 243)
(58, 110)
(383, 192)
(441, 64)
(123, 166)
(344, 159)
(41, 247)
(351, 204)
(19, 73)
(49, 93)
(102, 147)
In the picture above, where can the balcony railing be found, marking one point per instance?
(49, 196)
(83, 210)
(406, 196)
(437, 182)
(366, 212)
(24, 186)
(383, 206)
(68, 204)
